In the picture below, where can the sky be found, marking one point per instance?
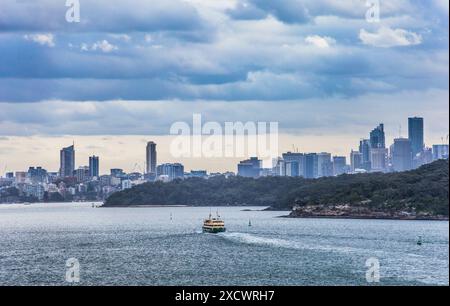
(130, 69)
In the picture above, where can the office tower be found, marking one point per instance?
(339, 165)
(67, 161)
(292, 168)
(250, 167)
(356, 160)
(171, 171)
(37, 175)
(298, 158)
(440, 151)
(377, 137)
(94, 166)
(82, 174)
(401, 153)
(378, 159)
(324, 165)
(364, 149)
(151, 157)
(415, 135)
(311, 166)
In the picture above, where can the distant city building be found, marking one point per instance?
(423, 158)
(21, 177)
(356, 161)
(401, 153)
(172, 171)
(378, 159)
(311, 166)
(126, 184)
(94, 166)
(151, 159)
(198, 173)
(440, 151)
(339, 165)
(37, 175)
(295, 160)
(117, 172)
(82, 174)
(364, 149)
(250, 167)
(377, 137)
(324, 165)
(416, 135)
(9, 175)
(67, 161)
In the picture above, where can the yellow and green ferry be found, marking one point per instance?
(213, 225)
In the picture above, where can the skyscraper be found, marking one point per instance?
(67, 161)
(94, 168)
(401, 153)
(250, 167)
(297, 159)
(356, 158)
(364, 149)
(415, 135)
(311, 166)
(377, 137)
(378, 157)
(151, 157)
(324, 165)
(339, 165)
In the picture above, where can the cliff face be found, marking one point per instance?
(359, 212)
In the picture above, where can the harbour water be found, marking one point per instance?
(165, 246)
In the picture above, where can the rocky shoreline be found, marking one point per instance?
(352, 212)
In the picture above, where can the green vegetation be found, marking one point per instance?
(421, 190)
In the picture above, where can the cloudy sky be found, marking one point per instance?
(129, 69)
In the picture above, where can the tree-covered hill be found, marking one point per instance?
(421, 190)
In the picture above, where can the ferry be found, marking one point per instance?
(214, 225)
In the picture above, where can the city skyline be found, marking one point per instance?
(374, 138)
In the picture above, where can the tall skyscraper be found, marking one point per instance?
(356, 158)
(311, 166)
(364, 149)
(67, 161)
(339, 165)
(377, 137)
(324, 165)
(415, 135)
(296, 159)
(151, 157)
(401, 154)
(94, 166)
(378, 158)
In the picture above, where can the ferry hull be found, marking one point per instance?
(213, 230)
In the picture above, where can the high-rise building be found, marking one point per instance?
(339, 165)
(440, 151)
(171, 171)
(299, 159)
(364, 149)
(82, 174)
(356, 160)
(415, 135)
(67, 161)
(378, 159)
(94, 166)
(311, 166)
(324, 165)
(250, 167)
(377, 137)
(151, 157)
(37, 175)
(401, 154)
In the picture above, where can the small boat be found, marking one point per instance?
(213, 225)
(420, 242)
(249, 223)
